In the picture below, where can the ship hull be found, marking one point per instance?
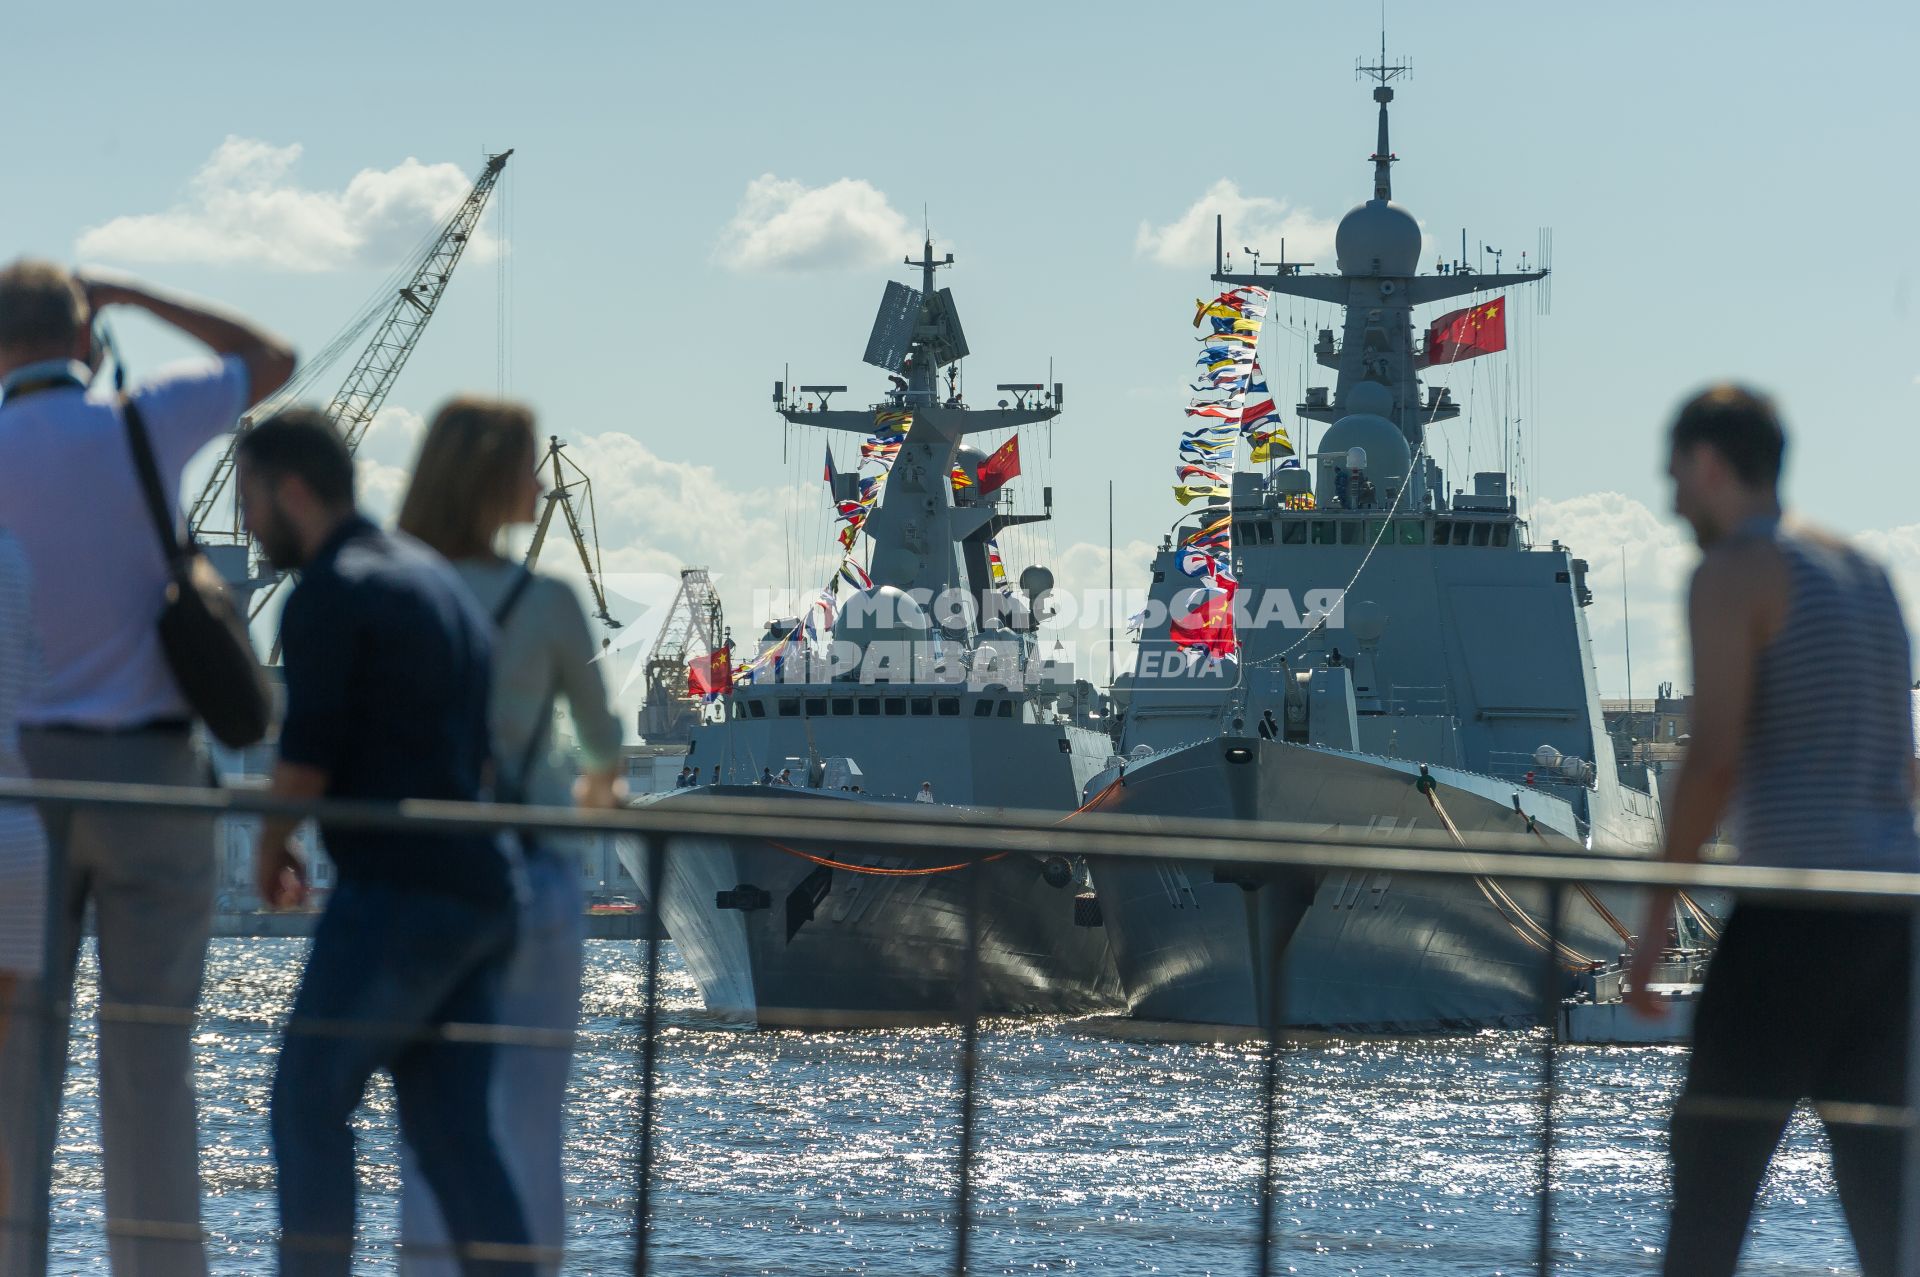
(1363, 952)
(839, 948)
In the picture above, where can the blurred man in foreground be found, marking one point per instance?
(1802, 735)
(388, 666)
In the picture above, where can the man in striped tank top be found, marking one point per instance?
(1802, 738)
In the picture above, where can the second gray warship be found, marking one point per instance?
(916, 677)
(1441, 678)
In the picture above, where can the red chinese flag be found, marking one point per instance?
(1463, 334)
(1003, 465)
(710, 676)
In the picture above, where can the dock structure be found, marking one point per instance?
(1228, 846)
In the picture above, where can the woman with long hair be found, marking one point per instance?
(475, 476)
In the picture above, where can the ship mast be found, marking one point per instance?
(1377, 286)
(924, 542)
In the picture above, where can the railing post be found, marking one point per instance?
(1909, 1251)
(42, 1059)
(654, 854)
(1281, 896)
(969, 1068)
(1550, 997)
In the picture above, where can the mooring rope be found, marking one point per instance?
(1539, 939)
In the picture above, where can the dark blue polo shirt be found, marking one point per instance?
(388, 665)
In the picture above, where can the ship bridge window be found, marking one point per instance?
(870, 706)
(1413, 532)
(1265, 527)
(1482, 533)
(1293, 532)
(922, 706)
(1006, 709)
(1349, 532)
(1442, 532)
(816, 707)
(948, 706)
(896, 707)
(1323, 532)
(983, 709)
(843, 704)
(1376, 534)
(756, 709)
(789, 708)
(1500, 531)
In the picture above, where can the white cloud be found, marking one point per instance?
(1660, 556)
(784, 224)
(244, 208)
(1252, 221)
(1899, 549)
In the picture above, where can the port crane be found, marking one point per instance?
(360, 396)
(567, 478)
(668, 713)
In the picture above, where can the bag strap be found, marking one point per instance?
(501, 612)
(511, 599)
(141, 445)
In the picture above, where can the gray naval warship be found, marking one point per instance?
(1449, 683)
(934, 675)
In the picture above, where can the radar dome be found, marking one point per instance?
(968, 458)
(1371, 398)
(1388, 456)
(1378, 238)
(884, 614)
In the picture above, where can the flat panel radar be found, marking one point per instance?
(948, 342)
(893, 327)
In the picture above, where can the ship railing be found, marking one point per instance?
(1279, 857)
(1423, 700)
(1522, 768)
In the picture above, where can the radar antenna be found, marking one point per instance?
(1381, 73)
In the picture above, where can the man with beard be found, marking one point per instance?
(1802, 734)
(387, 674)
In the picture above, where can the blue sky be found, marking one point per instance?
(1727, 186)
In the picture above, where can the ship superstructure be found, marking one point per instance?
(914, 675)
(1402, 657)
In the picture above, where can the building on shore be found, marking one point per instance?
(1651, 730)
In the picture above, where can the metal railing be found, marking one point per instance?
(1276, 853)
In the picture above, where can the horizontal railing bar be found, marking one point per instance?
(1220, 842)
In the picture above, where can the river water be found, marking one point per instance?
(833, 1153)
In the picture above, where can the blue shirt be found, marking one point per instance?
(71, 497)
(388, 666)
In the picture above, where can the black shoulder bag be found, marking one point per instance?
(202, 633)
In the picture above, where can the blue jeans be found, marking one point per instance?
(541, 991)
(388, 963)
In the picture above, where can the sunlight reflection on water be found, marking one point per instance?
(833, 1153)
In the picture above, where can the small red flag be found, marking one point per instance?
(710, 676)
(1003, 465)
(1464, 334)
